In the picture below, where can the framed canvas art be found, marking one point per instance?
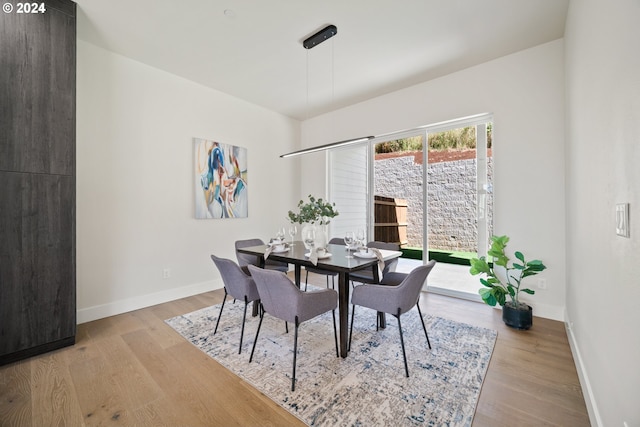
(220, 180)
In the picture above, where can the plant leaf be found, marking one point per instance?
(528, 291)
(479, 265)
(487, 297)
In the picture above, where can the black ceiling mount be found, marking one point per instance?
(322, 35)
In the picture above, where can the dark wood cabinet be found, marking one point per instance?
(37, 181)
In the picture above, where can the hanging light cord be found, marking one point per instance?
(333, 74)
(307, 71)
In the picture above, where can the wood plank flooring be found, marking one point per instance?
(134, 370)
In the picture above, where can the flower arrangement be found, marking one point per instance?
(314, 211)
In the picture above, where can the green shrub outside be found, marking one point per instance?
(455, 139)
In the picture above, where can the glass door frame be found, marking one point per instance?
(480, 121)
(371, 181)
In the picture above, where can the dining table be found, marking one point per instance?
(337, 259)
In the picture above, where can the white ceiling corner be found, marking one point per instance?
(257, 54)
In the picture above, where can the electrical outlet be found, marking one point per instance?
(569, 326)
(542, 283)
(166, 273)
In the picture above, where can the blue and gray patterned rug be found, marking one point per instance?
(369, 387)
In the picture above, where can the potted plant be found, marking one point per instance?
(506, 281)
(315, 211)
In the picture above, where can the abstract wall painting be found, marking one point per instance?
(220, 180)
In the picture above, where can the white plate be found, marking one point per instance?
(367, 256)
(280, 252)
(325, 256)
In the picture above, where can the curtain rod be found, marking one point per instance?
(327, 146)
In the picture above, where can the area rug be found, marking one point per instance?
(369, 387)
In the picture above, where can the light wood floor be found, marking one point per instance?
(134, 370)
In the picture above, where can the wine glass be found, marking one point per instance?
(292, 232)
(280, 234)
(349, 240)
(360, 238)
(309, 238)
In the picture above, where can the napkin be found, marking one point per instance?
(313, 256)
(268, 251)
(378, 255)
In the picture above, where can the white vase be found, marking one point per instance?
(321, 240)
(321, 236)
(304, 233)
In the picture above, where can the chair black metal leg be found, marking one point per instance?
(404, 355)
(353, 311)
(286, 327)
(244, 317)
(327, 281)
(335, 331)
(220, 315)
(306, 280)
(333, 282)
(257, 333)
(295, 354)
(423, 326)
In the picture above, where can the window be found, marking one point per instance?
(441, 197)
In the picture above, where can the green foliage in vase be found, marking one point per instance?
(314, 211)
(496, 289)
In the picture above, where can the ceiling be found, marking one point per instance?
(252, 49)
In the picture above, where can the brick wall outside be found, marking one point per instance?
(452, 199)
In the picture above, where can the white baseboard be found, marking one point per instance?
(547, 311)
(452, 293)
(587, 391)
(539, 310)
(122, 306)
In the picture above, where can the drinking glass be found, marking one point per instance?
(360, 237)
(349, 240)
(292, 232)
(309, 238)
(280, 234)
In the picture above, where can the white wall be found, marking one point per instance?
(135, 195)
(603, 146)
(525, 93)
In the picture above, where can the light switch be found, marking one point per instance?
(622, 219)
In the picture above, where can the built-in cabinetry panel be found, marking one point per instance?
(37, 180)
(37, 89)
(38, 303)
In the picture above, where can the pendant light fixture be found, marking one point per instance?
(309, 43)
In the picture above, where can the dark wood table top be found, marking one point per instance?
(337, 262)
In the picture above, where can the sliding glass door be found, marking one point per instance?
(429, 190)
(397, 186)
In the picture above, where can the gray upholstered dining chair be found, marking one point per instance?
(366, 276)
(237, 284)
(395, 300)
(327, 273)
(245, 259)
(281, 298)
